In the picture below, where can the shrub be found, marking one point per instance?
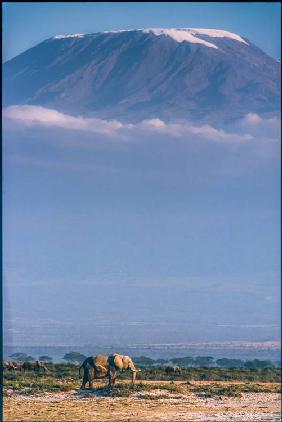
(143, 360)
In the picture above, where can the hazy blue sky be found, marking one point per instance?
(26, 24)
(140, 236)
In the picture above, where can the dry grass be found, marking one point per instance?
(146, 402)
(56, 396)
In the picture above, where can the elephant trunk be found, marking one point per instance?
(82, 366)
(133, 376)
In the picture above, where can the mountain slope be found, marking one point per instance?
(206, 75)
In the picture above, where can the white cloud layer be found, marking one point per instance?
(42, 116)
(262, 128)
(31, 116)
(182, 129)
(252, 119)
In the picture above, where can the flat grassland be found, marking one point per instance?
(250, 395)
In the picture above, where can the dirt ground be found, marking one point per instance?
(154, 405)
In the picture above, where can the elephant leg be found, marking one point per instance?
(91, 377)
(84, 381)
(112, 376)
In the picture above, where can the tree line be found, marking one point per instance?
(198, 361)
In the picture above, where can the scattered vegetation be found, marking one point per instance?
(235, 390)
(125, 390)
(65, 377)
(33, 383)
(211, 374)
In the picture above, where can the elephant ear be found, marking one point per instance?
(128, 364)
(118, 362)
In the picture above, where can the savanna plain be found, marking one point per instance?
(196, 394)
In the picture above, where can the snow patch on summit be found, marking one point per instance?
(191, 35)
(217, 33)
(180, 35)
(59, 37)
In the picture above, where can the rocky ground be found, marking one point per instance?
(156, 404)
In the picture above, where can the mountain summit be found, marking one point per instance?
(207, 75)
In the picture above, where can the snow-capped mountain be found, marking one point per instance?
(198, 74)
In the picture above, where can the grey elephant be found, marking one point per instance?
(173, 369)
(17, 365)
(34, 366)
(102, 366)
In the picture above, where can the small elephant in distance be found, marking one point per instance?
(11, 365)
(102, 366)
(173, 369)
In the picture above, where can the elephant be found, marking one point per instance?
(17, 365)
(8, 365)
(102, 366)
(173, 369)
(34, 366)
(12, 365)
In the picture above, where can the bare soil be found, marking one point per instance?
(152, 405)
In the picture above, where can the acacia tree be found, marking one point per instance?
(203, 361)
(74, 357)
(45, 358)
(21, 357)
(258, 364)
(185, 361)
(230, 363)
(143, 360)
